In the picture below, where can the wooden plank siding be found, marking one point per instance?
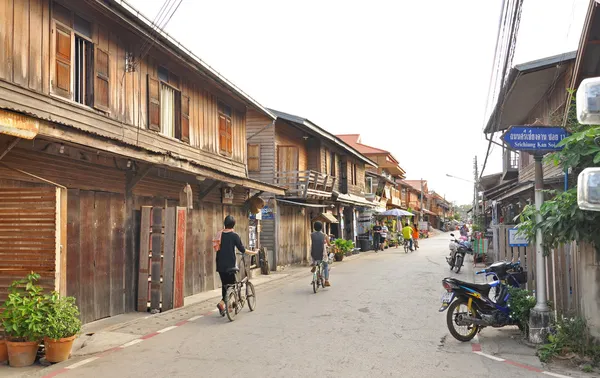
(26, 57)
(260, 131)
(289, 136)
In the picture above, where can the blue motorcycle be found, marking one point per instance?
(470, 306)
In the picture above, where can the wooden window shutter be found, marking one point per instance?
(102, 80)
(229, 137)
(153, 104)
(185, 119)
(222, 133)
(253, 157)
(62, 77)
(178, 117)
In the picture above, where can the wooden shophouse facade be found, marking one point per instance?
(107, 126)
(323, 179)
(381, 180)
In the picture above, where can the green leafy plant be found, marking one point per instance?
(562, 220)
(343, 246)
(570, 337)
(24, 310)
(62, 317)
(520, 303)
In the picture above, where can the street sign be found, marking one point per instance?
(535, 139)
(516, 239)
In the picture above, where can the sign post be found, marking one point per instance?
(537, 140)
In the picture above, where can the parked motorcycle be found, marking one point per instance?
(458, 250)
(470, 306)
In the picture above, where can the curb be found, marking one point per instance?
(126, 345)
(477, 349)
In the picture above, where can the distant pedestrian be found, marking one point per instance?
(384, 234)
(377, 236)
(415, 236)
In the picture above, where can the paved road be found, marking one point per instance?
(379, 318)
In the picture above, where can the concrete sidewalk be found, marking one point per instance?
(509, 344)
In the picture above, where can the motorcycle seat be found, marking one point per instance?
(481, 288)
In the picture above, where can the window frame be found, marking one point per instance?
(57, 22)
(228, 150)
(257, 157)
(369, 185)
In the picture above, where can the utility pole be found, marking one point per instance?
(475, 199)
(539, 318)
(422, 201)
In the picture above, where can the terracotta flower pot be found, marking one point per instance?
(3, 351)
(22, 353)
(339, 257)
(58, 350)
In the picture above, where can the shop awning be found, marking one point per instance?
(355, 200)
(429, 212)
(301, 203)
(326, 218)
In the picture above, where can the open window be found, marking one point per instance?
(80, 69)
(168, 109)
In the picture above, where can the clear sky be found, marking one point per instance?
(410, 76)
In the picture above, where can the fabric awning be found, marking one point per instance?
(397, 213)
(326, 217)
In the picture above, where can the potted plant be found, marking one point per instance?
(23, 320)
(342, 247)
(61, 328)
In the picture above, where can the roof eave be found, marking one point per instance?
(145, 23)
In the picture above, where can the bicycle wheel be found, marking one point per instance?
(230, 304)
(250, 296)
(315, 283)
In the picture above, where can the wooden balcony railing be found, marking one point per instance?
(306, 184)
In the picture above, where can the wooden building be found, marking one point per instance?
(106, 123)
(381, 180)
(323, 179)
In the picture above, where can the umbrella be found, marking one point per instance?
(397, 213)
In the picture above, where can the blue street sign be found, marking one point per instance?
(535, 139)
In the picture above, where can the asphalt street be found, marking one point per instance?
(379, 318)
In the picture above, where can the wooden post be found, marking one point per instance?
(179, 258)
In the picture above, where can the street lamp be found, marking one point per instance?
(460, 178)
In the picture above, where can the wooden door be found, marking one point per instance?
(96, 258)
(287, 163)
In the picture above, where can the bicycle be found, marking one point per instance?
(406, 246)
(235, 300)
(318, 279)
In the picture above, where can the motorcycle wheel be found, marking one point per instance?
(459, 262)
(452, 324)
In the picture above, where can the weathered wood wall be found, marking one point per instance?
(287, 135)
(260, 130)
(96, 260)
(294, 235)
(26, 58)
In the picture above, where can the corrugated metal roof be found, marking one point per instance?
(527, 83)
(322, 132)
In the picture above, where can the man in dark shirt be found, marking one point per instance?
(226, 260)
(377, 236)
(317, 250)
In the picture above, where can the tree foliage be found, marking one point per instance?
(562, 220)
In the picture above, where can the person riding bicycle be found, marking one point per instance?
(226, 243)
(318, 253)
(407, 232)
(415, 236)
